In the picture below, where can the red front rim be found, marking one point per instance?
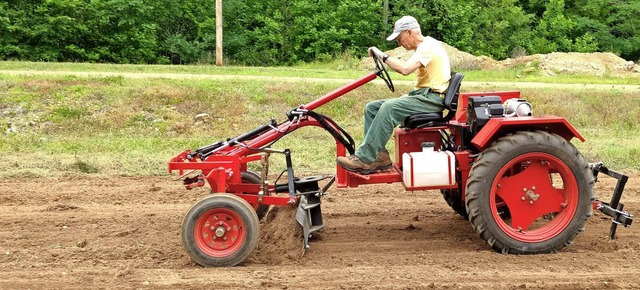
(540, 193)
(219, 232)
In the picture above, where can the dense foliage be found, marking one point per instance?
(276, 32)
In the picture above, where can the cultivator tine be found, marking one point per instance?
(614, 208)
(303, 218)
(309, 216)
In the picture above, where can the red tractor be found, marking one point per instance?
(516, 177)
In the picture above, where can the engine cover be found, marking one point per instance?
(481, 109)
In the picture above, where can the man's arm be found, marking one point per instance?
(401, 67)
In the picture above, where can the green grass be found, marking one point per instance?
(341, 68)
(303, 71)
(64, 125)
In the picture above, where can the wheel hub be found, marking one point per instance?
(220, 231)
(531, 195)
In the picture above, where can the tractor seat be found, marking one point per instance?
(418, 119)
(421, 120)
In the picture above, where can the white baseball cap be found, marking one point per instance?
(404, 23)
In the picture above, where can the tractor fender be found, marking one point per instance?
(498, 127)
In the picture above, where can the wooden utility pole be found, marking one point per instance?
(218, 32)
(385, 17)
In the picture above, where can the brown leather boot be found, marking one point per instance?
(353, 163)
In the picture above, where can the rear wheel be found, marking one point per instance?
(220, 230)
(529, 193)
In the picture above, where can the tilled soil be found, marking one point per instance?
(124, 232)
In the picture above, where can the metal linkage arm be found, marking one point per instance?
(329, 125)
(614, 208)
(206, 151)
(290, 177)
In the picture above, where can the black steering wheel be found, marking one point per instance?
(381, 71)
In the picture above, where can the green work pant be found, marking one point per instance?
(382, 116)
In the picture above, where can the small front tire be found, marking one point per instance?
(220, 230)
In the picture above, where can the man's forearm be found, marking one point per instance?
(395, 64)
(398, 66)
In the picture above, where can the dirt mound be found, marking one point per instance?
(459, 59)
(597, 63)
(280, 238)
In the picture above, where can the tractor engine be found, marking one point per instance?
(481, 109)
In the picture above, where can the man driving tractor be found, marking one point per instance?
(431, 64)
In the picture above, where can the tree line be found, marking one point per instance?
(285, 32)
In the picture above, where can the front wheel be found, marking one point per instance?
(220, 230)
(541, 181)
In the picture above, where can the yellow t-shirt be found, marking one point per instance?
(436, 70)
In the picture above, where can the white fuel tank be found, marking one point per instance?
(428, 168)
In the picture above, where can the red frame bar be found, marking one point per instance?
(339, 92)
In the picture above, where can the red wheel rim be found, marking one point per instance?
(541, 194)
(219, 232)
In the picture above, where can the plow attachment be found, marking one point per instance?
(614, 208)
(309, 213)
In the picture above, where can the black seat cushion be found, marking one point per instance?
(416, 120)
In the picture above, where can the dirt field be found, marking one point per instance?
(122, 232)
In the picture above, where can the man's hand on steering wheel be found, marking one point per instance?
(381, 70)
(375, 51)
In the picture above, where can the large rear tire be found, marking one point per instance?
(220, 230)
(544, 184)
